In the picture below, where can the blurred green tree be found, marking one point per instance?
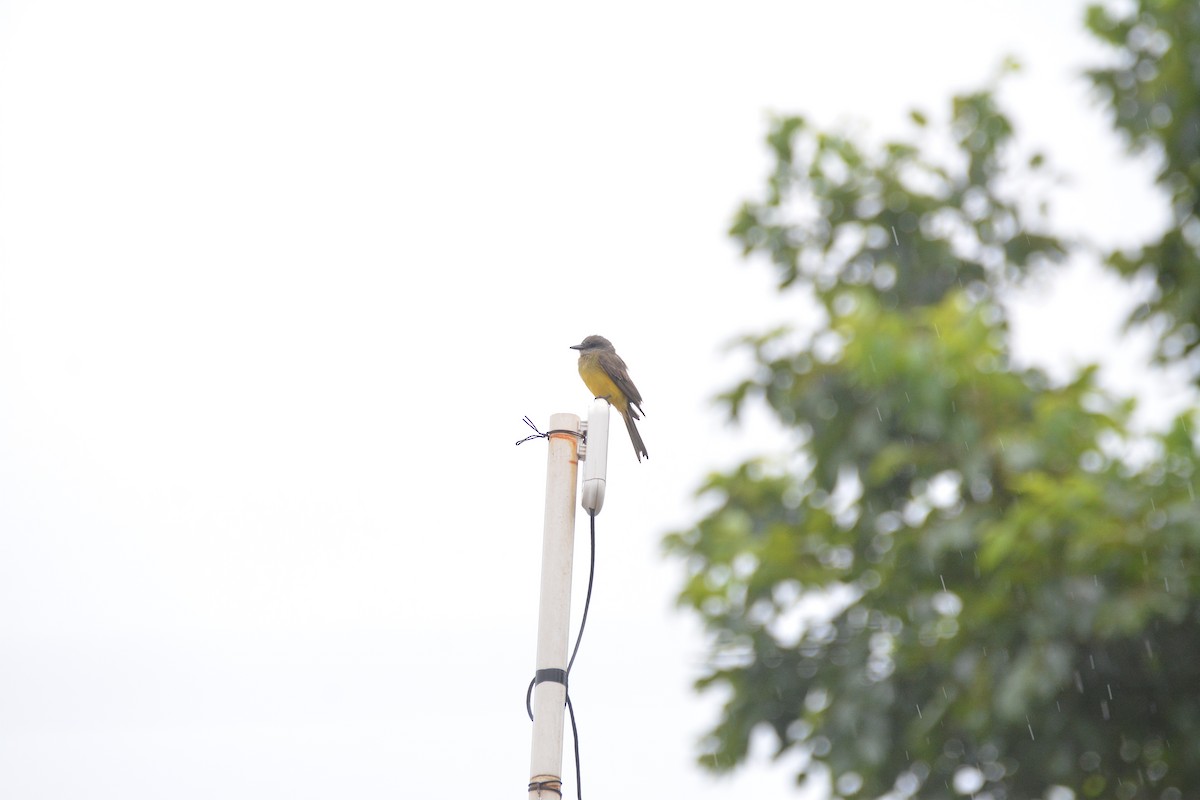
(1153, 94)
(959, 581)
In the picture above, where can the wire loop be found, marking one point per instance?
(536, 433)
(546, 786)
(539, 435)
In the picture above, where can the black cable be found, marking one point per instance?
(575, 737)
(587, 603)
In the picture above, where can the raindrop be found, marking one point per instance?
(1166, 584)
(1104, 709)
(919, 714)
(897, 238)
(1029, 725)
(1109, 687)
(1078, 681)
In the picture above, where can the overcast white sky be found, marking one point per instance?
(278, 281)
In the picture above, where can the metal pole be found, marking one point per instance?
(554, 611)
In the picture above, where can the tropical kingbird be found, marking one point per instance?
(607, 376)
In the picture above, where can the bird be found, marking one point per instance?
(606, 376)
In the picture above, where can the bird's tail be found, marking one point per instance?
(639, 446)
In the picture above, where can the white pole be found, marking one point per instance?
(554, 611)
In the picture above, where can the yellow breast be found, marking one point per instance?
(598, 382)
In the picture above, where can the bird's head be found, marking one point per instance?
(593, 343)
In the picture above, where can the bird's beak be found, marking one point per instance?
(576, 347)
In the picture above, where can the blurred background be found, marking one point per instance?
(278, 282)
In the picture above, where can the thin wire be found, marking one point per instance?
(536, 433)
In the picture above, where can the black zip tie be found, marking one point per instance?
(553, 674)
